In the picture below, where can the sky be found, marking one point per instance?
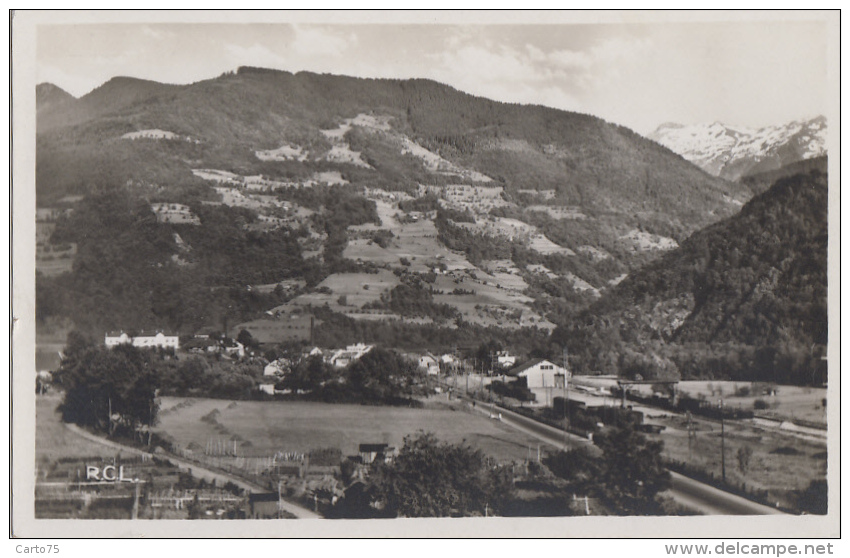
(640, 75)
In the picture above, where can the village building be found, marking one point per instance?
(429, 364)
(145, 340)
(277, 367)
(504, 359)
(369, 453)
(352, 353)
(540, 373)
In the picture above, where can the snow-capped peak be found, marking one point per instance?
(732, 151)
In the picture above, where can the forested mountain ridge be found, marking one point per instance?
(588, 162)
(759, 182)
(744, 297)
(48, 96)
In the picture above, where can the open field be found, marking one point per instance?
(358, 288)
(54, 441)
(263, 428)
(417, 242)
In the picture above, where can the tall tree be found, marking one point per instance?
(108, 388)
(634, 472)
(430, 478)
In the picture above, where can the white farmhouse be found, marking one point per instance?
(352, 353)
(540, 373)
(429, 364)
(505, 360)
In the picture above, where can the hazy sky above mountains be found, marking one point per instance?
(638, 75)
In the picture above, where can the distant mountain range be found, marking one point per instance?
(732, 152)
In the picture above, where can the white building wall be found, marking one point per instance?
(158, 340)
(542, 374)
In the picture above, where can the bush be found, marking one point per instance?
(760, 404)
(512, 389)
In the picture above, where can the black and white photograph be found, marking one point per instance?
(275, 272)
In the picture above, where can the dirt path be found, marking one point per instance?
(197, 471)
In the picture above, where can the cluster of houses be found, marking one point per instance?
(339, 358)
(541, 376)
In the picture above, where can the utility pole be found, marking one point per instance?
(691, 436)
(134, 514)
(722, 443)
(566, 402)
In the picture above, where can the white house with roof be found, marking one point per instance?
(540, 373)
(429, 364)
(277, 367)
(352, 353)
(504, 359)
(143, 340)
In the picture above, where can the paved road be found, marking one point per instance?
(686, 491)
(197, 471)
